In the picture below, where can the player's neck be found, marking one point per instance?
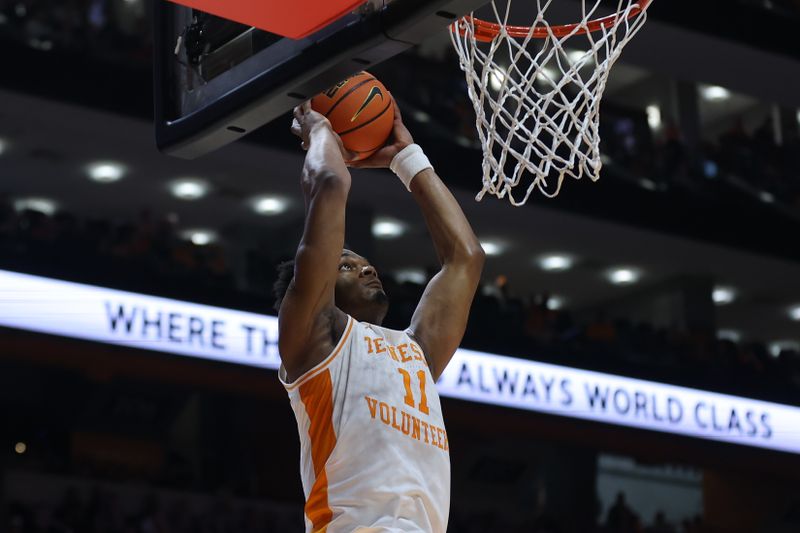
(371, 316)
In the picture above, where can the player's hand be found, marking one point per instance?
(308, 124)
(399, 139)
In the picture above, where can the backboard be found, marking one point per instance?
(216, 80)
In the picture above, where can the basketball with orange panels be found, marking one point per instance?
(360, 110)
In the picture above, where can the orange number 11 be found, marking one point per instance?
(409, 398)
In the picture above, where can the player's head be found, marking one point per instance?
(359, 292)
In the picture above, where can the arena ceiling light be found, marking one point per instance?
(189, 188)
(715, 93)
(653, 116)
(554, 303)
(421, 117)
(775, 348)
(491, 247)
(106, 172)
(794, 312)
(42, 205)
(766, 197)
(723, 295)
(200, 237)
(556, 262)
(732, 335)
(548, 74)
(496, 78)
(577, 55)
(624, 275)
(648, 184)
(387, 228)
(413, 275)
(269, 205)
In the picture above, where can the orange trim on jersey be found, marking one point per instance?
(324, 364)
(317, 397)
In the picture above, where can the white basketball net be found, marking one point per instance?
(537, 101)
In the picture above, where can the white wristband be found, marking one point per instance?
(409, 162)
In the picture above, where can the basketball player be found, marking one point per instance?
(374, 451)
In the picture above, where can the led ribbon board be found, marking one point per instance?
(147, 322)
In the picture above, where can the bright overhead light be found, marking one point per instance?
(413, 275)
(576, 56)
(729, 335)
(555, 262)
(624, 276)
(269, 205)
(766, 197)
(421, 116)
(715, 93)
(106, 172)
(653, 116)
(42, 205)
(723, 295)
(496, 78)
(648, 184)
(775, 348)
(547, 74)
(200, 237)
(20, 448)
(554, 303)
(492, 247)
(710, 169)
(387, 228)
(794, 312)
(44, 45)
(189, 188)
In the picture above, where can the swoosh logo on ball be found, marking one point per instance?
(375, 91)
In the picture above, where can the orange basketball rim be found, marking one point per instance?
(486, 31)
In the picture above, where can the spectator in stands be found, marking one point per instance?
(660, 524)
(621, 518)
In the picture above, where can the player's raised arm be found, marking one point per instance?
(441, 316)
(310, 295)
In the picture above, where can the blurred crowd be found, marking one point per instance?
(149, 255)
(749, 161)
(128, 253)
(110, 509)
(742, 164)
(120, 509)
(525, 327)
(108, 29)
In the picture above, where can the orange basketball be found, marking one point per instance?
(360, 111)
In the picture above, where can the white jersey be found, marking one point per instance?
(373, 448)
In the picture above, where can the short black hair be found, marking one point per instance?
(285, 275)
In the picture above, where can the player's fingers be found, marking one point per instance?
(398, 116)
(297, 129)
